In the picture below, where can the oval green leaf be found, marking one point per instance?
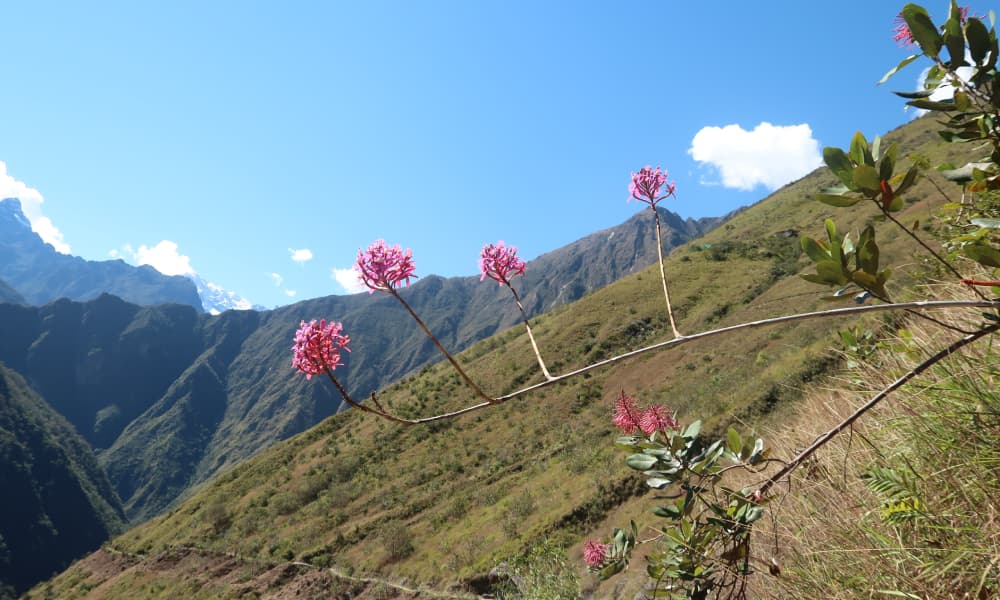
(641, 462)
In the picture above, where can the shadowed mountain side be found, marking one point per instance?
(41, 275)
(9, 294)
(57, 502)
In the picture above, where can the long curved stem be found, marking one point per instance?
(663, 275)
(534, 346)
(451, 359)
(836, 312)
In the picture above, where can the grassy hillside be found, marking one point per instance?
(906, 506)
(441, 505)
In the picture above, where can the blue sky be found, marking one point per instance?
(268, 142)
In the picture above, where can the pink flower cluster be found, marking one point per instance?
(647, 183)
(500, 263)
(317, 347)
(629, 418)
(902, 34)
(595, 554)
(904, 37)
(383, 268)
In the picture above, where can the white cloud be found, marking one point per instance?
(164, 257)
(290, 293)
(278, 279)
(944, 91)
(770, 155)
(348, 280)
(301, 256)
(31, 205)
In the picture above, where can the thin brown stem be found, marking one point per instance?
(895, 385)
(534, 346)
(663, 275)
(451, 359)
(926, 247)
(836, 312)
(347, 398)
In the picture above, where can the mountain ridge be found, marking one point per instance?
(41, 275)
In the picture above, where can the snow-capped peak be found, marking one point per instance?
(215, 299)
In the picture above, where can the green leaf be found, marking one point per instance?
(866, 178)
(859, 153)
(954, 40)
(962, 101)
(838, 201)
(667, 512)
(867, 254)
(986, 223)
(734, 441)
(692, 430)
(836, 190)
(658, 483)
(887, 164)
(831, 272)
(923, 29)
(908, 180)
(983, 254)
(964, 174)
(914, 95)
(932, 104)
(934, 78)
(831, 229)
(641, 462)
(979, 40)
(839, 163)
(870, 282)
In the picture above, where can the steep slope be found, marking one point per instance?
(10, 295)
(170, 397)
(57, 501)
(441, 504)
(41, 275)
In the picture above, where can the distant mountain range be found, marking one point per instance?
(169, 395)
(32, 272)
(41, 275)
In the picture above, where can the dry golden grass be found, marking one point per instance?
(834, 537)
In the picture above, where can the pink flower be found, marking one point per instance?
(382, 268)
(317, 347)
(646, 184)
(627, 414)
(500, 263)
(657, 418)
(595, 554)
(902, 34)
